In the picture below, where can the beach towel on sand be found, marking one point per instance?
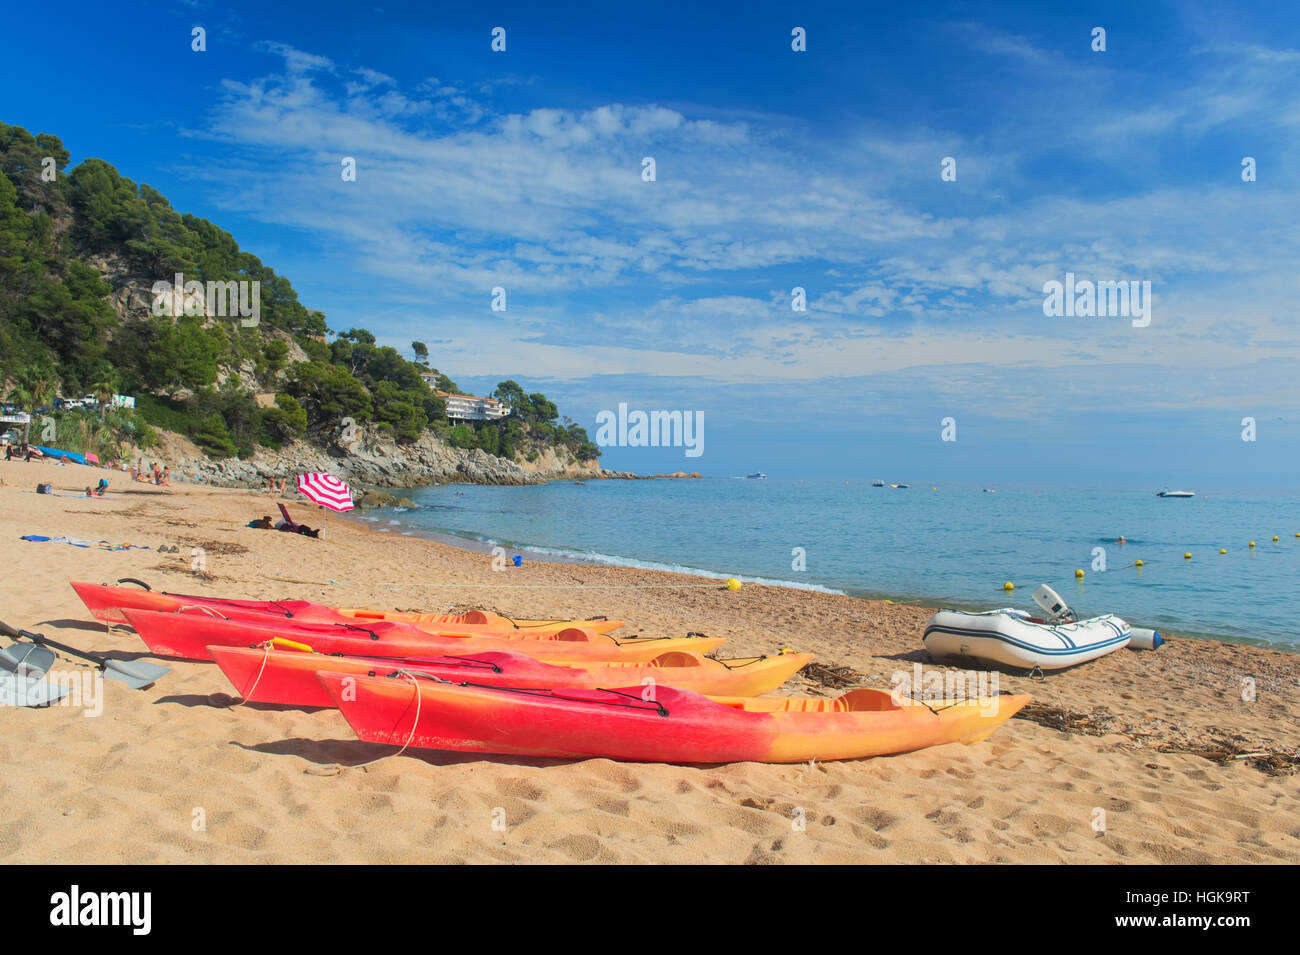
(77, 542)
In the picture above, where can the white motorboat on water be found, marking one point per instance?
(1168, 493)
(1012, 638)
(877, 483)
(756, 474)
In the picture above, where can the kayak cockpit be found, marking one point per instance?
(855, 701)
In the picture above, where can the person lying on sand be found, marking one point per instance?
(283, 525)
(263, 523)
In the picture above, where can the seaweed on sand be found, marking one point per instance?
(831, 675)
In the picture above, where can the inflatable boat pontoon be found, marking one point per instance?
(1012, 638)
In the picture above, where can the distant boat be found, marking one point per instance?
(757, 474)
(900, 485)
(990, 490)
(1168, 493)
(877, 483)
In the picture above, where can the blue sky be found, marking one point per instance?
(775, 169)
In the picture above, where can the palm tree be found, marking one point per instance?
(20, 396)
(104, 392)
(37, 383)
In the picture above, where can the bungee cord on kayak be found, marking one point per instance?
(552, 694)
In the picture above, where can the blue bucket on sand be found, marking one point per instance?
(519, 561)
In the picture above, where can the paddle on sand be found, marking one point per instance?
(26, 659)
(22, 667)
(138, 675)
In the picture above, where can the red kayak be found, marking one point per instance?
(106, 603)
(189, 634)
(652, 725)
(288, 677)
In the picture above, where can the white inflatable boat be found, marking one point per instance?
(1012, 638)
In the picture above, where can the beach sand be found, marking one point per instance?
(133, 784)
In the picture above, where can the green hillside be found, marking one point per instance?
(80, 250)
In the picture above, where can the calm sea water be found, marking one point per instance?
(954, 545)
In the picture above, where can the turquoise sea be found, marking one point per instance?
(950, 544)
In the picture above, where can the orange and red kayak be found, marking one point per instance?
(653, 725)
(188, 634)
(288, 677)
(106, 602)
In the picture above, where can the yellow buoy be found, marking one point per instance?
(1222, 551)
(1137, 563)
(1187, 556)
(1008, 586)
(1274, 538)
(1252, 543)
(1078, 573)
(733, 584)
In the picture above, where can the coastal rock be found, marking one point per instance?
(375, 460)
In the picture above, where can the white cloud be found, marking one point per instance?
(690, 275)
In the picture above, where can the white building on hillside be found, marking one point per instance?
(466, 407)
(471, 408)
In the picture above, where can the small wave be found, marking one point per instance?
(613, 560)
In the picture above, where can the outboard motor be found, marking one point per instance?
(1057, 610)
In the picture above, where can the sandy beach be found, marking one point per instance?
(1130, 779)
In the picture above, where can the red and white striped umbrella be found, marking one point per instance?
(326, 490)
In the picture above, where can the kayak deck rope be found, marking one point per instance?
(474, 664)
(250, 690)
(356, 626)
(552, 694)
(536, 623)
(211, 611)
(415, 723)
